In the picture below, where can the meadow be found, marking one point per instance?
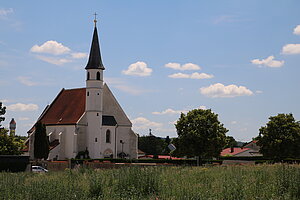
(219, 182)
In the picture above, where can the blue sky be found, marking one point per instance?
(238, 58)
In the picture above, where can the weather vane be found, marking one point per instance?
(95, 20)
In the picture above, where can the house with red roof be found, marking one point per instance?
(87, 120)
(250, 149)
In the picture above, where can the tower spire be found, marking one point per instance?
(95, 20)
(95, 61)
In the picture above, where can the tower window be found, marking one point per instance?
(97, 114)
(98, 75)
(88, 76)
(95, 139)
(108, 136)
(88, 93)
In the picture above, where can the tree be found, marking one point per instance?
(199, 134)
(151, 145)
(41, 142)
(2, 112)
(280, 138)
(8, 144)
(230, 142)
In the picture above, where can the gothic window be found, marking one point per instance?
(108, 136)
(88, 76)
(98, 75)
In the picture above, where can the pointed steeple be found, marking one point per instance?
(95, 61)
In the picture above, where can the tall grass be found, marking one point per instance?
(231, 182)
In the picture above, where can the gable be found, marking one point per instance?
(111, 107)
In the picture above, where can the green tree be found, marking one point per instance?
(41, 142)
(151, 145)
(199, 134)
(8, 144)
(280, 138)
(230, 142)
(2, 112)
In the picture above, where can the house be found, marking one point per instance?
(250, 149)
(87, 121)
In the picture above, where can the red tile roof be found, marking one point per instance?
(236, 150)
(67, 107)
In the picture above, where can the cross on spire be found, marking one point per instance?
(95, 20)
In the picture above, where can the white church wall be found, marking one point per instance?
(65, 135)
(54, 153)
(108, 147)
(113, 108)
(129, 139)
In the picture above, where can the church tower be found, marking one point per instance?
(12, 127)
(94, 97)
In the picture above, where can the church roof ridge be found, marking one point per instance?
(95, 61)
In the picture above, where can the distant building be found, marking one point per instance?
(87, 120)
(250, 149)
(12, 127)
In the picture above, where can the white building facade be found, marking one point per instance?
(87, 121)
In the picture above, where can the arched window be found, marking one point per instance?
(88, 76)
(108, 136)
(98, 75)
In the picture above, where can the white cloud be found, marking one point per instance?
(258, 92)
(79, 55)
(128, 89)
(269, 62)
(144, 123)
(5, 12)
(26, 81)
(54, 60)
(123, 86)
(179, 75)
(226, 19)
(4, 100)
(169, 111)
(233, 122)
(23, 118)
(187, 66)
(194, 75)
(51, 47)
(291, 49)
(22, 107)
(203, 107)
(297, 30)
(219, 90)
(138, 69)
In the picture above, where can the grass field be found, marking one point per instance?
(224, 182)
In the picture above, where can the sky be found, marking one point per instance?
(241, 59)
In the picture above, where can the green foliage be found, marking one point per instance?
(230, 142)
(151, 145)
(276, 182)
(2, 112)
(199, 134)
(9, 145)
(280, 138)
(41, 142)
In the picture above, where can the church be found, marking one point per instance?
(87, 120)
